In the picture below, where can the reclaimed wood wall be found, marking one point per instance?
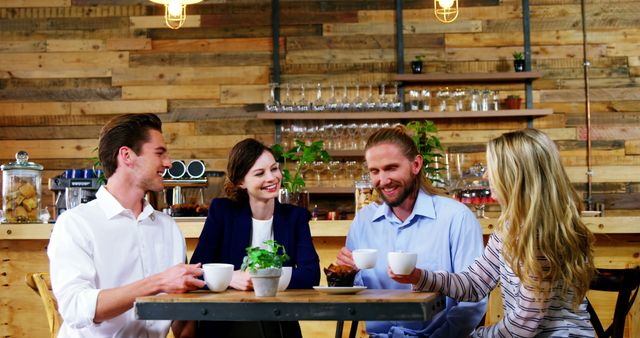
(67, 66)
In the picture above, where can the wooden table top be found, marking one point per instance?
(370, 304)
(294, 296)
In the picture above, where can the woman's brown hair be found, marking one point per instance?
(241, 158)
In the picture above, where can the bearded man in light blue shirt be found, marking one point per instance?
(415, 217)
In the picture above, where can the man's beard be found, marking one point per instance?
(406, 193)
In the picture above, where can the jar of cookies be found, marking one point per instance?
(365, 193)
(21, 190)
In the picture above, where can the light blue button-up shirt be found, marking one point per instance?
(447, 237)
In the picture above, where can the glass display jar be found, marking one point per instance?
(473, 190)
(365, 192)
(21, 190)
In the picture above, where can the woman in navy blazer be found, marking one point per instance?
(252, 184)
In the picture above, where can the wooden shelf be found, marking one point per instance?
(346, 153)
(513, 77)
(192, 227)
(331, 190)
(379, 115)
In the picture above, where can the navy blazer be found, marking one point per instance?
(227, 234)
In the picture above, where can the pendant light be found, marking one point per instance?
(175, 11)
(445, 10)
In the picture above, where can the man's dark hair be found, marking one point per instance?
(129, 130)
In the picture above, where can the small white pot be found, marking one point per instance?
(265, 281)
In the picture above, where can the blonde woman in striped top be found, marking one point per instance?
(541, 251)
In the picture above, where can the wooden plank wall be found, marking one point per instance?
(67, 66)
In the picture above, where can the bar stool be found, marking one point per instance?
(40, 284)
(623, 281)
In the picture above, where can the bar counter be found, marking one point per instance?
(24, 250)
(191, 227)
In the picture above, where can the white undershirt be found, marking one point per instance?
(262, 231)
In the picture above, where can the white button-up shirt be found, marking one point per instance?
(101, 245)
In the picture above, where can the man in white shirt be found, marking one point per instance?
(107, 252)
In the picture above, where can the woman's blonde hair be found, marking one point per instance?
(540, 213)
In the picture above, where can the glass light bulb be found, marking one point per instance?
(445, 3)
(175, 8)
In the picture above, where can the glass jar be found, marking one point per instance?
(365, 193)
(21, 190)
(473, 190)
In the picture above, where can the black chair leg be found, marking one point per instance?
(339, 326)
(354, 329)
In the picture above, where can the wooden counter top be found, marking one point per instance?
(191, 227)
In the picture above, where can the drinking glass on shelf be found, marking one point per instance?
(383, 101)
(370, 102)
(302, 104)
(425, 95)
(484, 105)
(318, 167)
(396, 103)
(496, 100)
(459, 96)
(287, 101)
(475, 100)
(332, 102)
(357, 104)
(334, 168)
(443, 96)
(343, 103)
(414, 100)
(351, 167)
(318, 103)
(272, 104)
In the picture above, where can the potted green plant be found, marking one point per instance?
(424, 134)
(513, 102)
(518, 61)
(416, 65)
(292, 190)
(265, 267)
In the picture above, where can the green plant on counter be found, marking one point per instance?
(424, 134)
(102, 179)
(518, 55)
(258, 258)
(302, 154)
(420, 57)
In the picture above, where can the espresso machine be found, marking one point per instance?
(72, 188)
(189, 188)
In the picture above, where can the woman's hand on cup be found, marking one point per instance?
(241, 280)
(411, 278)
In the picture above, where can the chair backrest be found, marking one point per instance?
(41, 284)
(623, 281)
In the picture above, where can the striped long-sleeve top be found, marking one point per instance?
(526, 312)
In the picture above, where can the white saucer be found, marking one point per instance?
(340, 290)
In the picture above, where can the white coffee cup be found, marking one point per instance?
(365, 258)
(285, 278)
(217, 276)
(402, 263)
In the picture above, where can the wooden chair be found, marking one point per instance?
(41, 284)
(623, 281)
